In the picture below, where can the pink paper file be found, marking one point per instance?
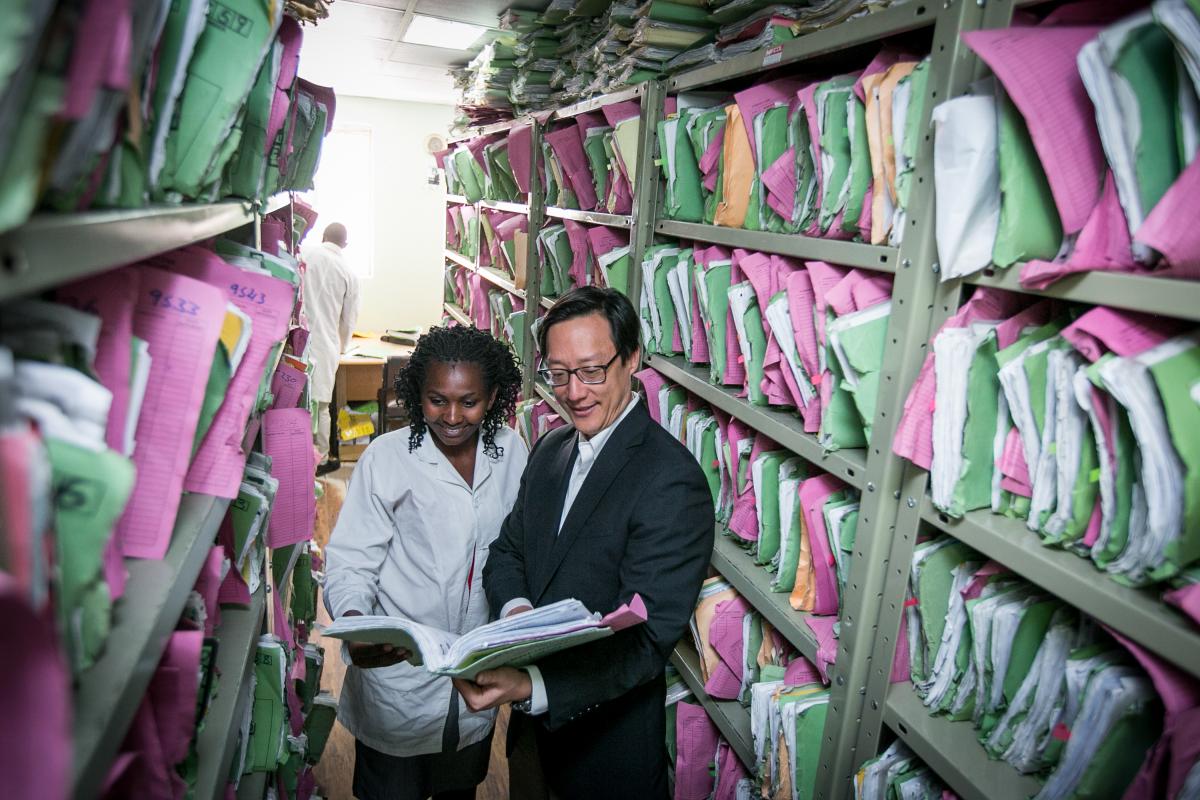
(1165, 228)
(111, 297)
(882, 62)
(36, 725)
(652, 382)
(208, 586)
(217, 469)
(695, 744)
(626, 615)
(20, 449)
(565, 143)
(822, 628)
(287, 439)
(730, 772)
(813, 494)
(1126, 333)
(801, 672)
(1186, 599)
(290, 36)
(519, 153)
(619, 112)
(99, 57)
(760, 99)
(1037, 67)
(181, 320)
(605, 240)
(287, 384)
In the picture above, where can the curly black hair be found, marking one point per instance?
(461, 345)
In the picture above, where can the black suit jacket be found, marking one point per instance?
(641, 523)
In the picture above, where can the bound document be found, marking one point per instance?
(514, 641)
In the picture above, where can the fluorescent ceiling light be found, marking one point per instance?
(437, 32)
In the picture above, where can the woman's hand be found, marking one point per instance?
(373, 656)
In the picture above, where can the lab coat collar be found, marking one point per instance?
(430, 454)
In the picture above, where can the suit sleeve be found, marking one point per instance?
(504, 572)
(666, 559)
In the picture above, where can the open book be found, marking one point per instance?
(514, 641)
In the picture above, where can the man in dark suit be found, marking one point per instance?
(610, 507)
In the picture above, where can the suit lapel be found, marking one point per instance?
(545, 527)
(608, 466)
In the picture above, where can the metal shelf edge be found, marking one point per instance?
(109, 693)
(238, 634)
(458, 314)
(1136, 613)
(591, 104)
(952, 750)
(890, 21)
(1165, 296)
(850, 254)
(752, 582)
(783, 427)
(458, 258)
(499, 280)
(548, 395)
(457, 198)
(505, 205)
(591, 217)
(729, 716)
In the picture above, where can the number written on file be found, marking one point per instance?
(170, 301)
(248, 293)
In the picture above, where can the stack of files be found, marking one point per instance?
(572, 166)
(507, 314)
(154, 759)
(243, 532)
(896, 772)
(610, 250)
(596, 137)
(1048, 691)
(308, 689)
(556, 182)
(1078, 421)
(489, 74)
(555, 250)
(736, 643)
(467, 224)
(535, 418)
(464, 173)
(757, 29)
(621, 147)
(787, 723)
(499, 183)
(690, 143)
(1107, 195)
(705, 765)
(454, 228)
(266, 748)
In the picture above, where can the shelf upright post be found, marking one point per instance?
(645, 184)
(533, 266)
(890, 505)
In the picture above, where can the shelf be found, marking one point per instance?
(547, 302)
(458, 314)
(754, 583)
(632, 93)
(1166, 296)
(863, 30)
(1136, 613)
(253, 786)
(731, 719)
(51, 249)
(547, 394)
(487, 130)
(498, 278)
(591, 217)
(457, 198)
(110, 692)
(459, 258)
(952, 750)
(504, 205)
(238, 636)
(850, 254)
(782, 426)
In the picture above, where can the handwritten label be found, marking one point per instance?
(174, 303)
(241, 292)
(773, 55)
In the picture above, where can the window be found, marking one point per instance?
(344, 192)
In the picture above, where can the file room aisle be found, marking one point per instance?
(917, 292)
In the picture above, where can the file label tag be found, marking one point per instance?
(773, 55)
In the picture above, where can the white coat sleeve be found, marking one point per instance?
(349, 316)
(358, 545)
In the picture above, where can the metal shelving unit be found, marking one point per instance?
(459, 258)
(109, 693)
(591, 104)
(753, 582)
(850, 254)
(1166, 296)
(783, 426)
(51, 249)
(547, 394)
(458, 314)
(1136, 613)
(591, 217)
(953, 751)
(238, 636)
(457, 198)
(731, 719)
(498, 279)
(504, 205)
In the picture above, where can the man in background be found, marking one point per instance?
(331, 305)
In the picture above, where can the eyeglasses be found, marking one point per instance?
(591, 374)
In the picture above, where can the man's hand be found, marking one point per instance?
(373, 656)
(494, 687)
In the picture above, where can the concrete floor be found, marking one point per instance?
(335, 772)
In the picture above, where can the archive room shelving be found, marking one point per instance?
(52, 249)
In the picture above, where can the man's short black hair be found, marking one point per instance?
(612, 305)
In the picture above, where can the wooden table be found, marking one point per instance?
(359, 379)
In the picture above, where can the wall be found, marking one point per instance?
(409, 219)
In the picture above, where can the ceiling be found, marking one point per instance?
(358, 49)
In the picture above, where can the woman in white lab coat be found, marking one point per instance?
(423, 507)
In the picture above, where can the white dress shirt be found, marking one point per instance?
(409, 534)
(589, 451)
(331, 306)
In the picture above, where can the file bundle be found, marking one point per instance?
(896, 772)
(830, 158)
(535, 418)
(155, 101)
(1076, 420)
(1045, 687)
(804, 335)
(462, 229)
(1106, 195)
(705, 765)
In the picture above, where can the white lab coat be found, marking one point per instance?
(403, 546)
(331, 305)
